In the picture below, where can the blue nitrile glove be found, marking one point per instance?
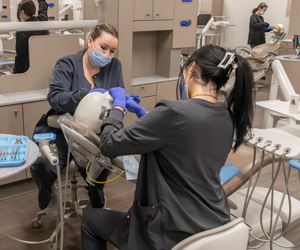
(271, 27)
(98, 90)
(133, 107)
(136, 98)
(118, 94)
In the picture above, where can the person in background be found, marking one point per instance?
(257, 26)
(26, 11)
(183, 146)
(74, 76)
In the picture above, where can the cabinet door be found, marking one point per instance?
(11, 120)
(207, 6)
(142, 9)
(163, 9)
(32, 113)
(166, 91)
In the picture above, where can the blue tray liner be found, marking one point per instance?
(9, 143)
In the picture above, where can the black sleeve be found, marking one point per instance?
(42, 12)
(60, 95)
(256, 24)
(147, 134)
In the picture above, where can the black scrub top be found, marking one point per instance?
(22, 37)
(256, 30)
(183, 145)
(68, 85)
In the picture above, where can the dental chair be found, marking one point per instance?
(231, 236)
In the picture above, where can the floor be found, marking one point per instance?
(18, 211)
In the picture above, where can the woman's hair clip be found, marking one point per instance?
(228, 59)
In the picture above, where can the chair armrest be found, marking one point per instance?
(52, 121)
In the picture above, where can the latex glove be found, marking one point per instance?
(271, 27)
(136, 98)
(98, 90)
(134, 107)
(118, 94)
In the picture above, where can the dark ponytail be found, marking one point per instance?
(240, 100)
(260, 6)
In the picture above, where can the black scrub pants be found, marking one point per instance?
(44, 175)
(97, 226)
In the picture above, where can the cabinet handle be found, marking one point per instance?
(148, 15)
(16, 112)
(157, 15)
(185, 23)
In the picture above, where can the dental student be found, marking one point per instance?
(257, 26)
(183, 145)
(92, 69)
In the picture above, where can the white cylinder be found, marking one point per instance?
(31, 26)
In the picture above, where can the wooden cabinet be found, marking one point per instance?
(144, 90)
(32, 112)
(11, 120)
(213, 7)
(150, 94)
(185, 24)
(5, 14)
(21, 119)
(166, 91)
(205, 6)
(153, 10)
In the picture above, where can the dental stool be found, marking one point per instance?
(231, 236)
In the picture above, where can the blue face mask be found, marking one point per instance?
(98, 59)
(262, 12)
(22, 19)
(183, 89)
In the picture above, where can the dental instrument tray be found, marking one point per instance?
(13, 150)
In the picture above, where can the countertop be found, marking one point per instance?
(41, 94)
(23, 97)
(150, 79)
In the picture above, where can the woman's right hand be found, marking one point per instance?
(133, 107)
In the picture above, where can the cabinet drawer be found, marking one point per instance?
(148, 102)
(144, 90)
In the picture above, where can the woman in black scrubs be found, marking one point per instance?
(183, 145)
(257, 26)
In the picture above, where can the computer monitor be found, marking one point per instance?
(202, 19)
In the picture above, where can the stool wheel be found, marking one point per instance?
(36, 223)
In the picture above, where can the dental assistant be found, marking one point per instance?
(26, 11)
(183, 145)
(257, 26)
(92, 69)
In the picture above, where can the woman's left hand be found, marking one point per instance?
(118, 94)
